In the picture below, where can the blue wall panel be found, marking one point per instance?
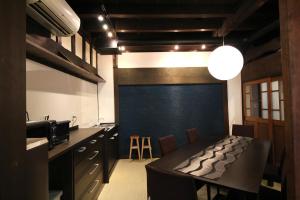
(169, 109)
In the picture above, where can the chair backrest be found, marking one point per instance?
(165, 186)
(167, 144)
(243, 130)
(282, 161)
(192, 135)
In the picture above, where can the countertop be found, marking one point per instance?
(35, 142)
(76, 137)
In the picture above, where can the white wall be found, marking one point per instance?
(60, 95)
(163, 59)
(106, 89)
(234, 92)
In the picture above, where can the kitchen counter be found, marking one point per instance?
(76, 137)
(32, 143)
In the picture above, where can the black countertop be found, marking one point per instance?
(76, 137)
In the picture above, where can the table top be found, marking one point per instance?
(76, 137)
(245, 174)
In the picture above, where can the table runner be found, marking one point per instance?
(213, 161)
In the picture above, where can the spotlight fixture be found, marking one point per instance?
(176, 47)
(122, 48)
(114, 43)
(109, 34)
(203, 46)
(100, 18)
(105, 26)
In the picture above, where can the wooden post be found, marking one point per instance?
(12, 99)
(290, 44)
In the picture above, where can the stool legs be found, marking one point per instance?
(137, 146)
(130, 148)
(148, 146)
(138, 149)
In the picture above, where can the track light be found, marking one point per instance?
(109, 34)
(105, 26)
(100, 18)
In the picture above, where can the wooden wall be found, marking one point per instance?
(290, 42)
(12, 99)
(180, 75)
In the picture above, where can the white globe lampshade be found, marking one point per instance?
(225, 62)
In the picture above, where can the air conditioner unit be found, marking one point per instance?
(55, 15)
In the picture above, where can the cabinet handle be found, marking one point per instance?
(93, 156)
(81, 149)
(112, 138)
(93, 170)
(93, 141)
(116, 134)
(101, 136)
(94, 187)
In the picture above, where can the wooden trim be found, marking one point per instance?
(160, 76)
(13, 100)
(83, 48)
(116, 88)
(73, 44)
(225, 103)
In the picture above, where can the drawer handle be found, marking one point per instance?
(93, 141)
(116, 134)
(112, 138)
(93, 156)
(81, 149)
(93, 170)
(101, 136)
(94, 187)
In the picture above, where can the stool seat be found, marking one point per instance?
(147, 146)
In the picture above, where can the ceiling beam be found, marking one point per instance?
(123, 11)
(267, 29)
(174, 42)
(162, 25)
(247, 8)
(165, 48)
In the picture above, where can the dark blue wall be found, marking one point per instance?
(169, 109)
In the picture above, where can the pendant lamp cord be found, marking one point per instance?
(223, 41)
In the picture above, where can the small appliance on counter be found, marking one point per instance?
(55, 131)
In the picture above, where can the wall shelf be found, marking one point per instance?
(57, 60)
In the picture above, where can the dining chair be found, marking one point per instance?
(167, 144)
(192, 135)
(165, 186)
(243, 130)
(272, 172)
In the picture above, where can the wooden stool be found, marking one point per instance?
(137, 146)
(148, 146)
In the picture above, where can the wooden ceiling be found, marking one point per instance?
(159, 25)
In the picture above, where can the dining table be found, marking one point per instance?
(243, 175)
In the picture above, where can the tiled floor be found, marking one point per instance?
(128, 182)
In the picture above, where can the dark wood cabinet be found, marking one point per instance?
(111, 152)
(81, 167)
(88, 168)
